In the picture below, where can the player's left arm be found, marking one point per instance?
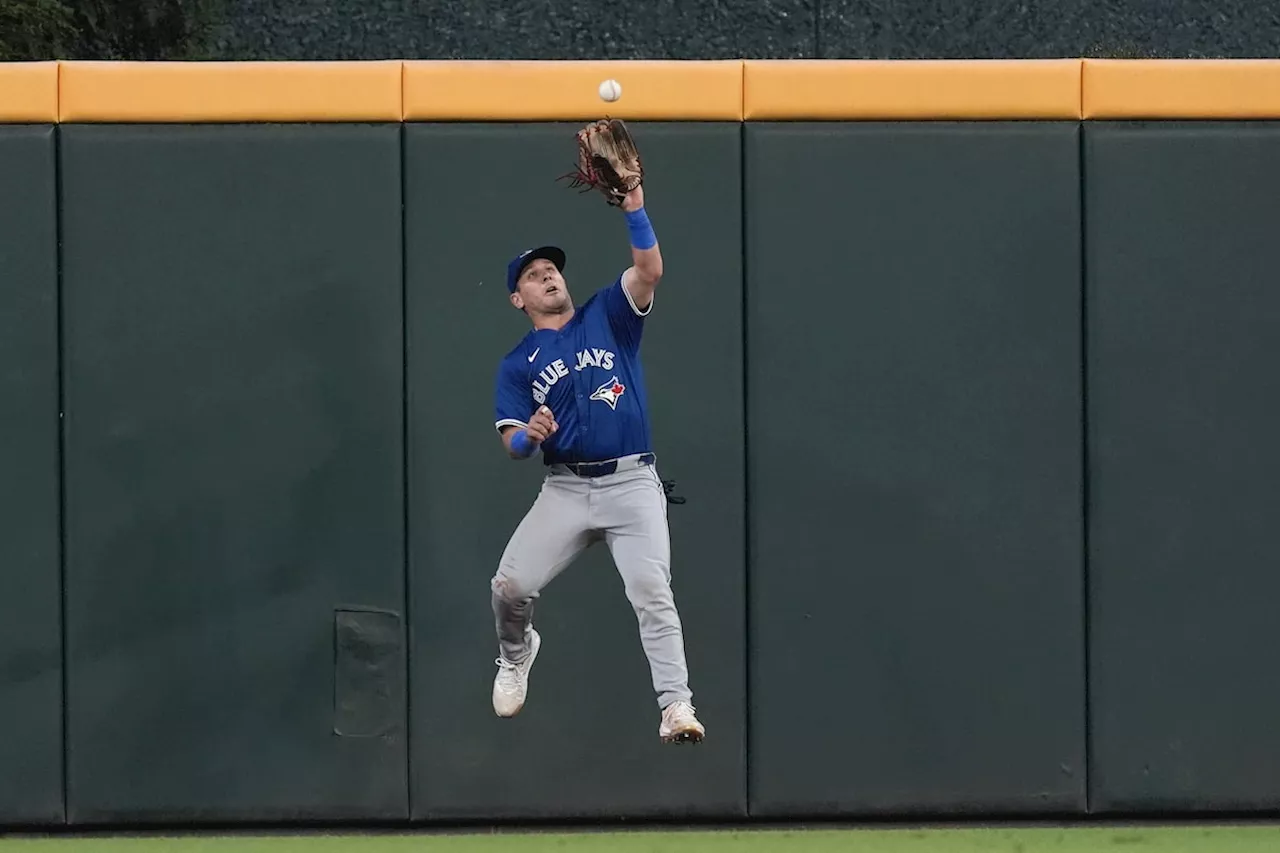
(642, 277)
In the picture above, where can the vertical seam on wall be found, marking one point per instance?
(746, 479)
(1080, 115)
(1084, 471)
(406, 631)
(60, 370)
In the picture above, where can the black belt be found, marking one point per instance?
(601, 469)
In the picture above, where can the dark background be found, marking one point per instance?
(754, 29)
(978, 442)
(915, 461)
(688, 29)
(233, 375)
(1184, 334)
(30, 541)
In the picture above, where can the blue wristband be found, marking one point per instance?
(642, 236)
(521, 444)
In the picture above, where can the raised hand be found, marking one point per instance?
(541, 425)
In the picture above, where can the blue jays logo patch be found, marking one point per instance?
(609, 392)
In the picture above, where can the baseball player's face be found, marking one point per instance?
(542, 289)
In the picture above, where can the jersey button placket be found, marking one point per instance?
(578, 379)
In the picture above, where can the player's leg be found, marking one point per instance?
(631, 508)
(550, 536)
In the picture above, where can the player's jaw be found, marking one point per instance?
(551, 298)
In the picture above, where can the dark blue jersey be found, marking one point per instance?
(588, 374)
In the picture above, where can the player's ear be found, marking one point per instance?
(517, 301)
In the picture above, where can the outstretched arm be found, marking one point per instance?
(645, 271)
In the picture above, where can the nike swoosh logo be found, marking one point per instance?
(535, 354)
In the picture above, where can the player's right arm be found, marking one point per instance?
(523, 442)
(522, 432)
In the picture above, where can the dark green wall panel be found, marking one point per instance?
(234, 472)
(1184, 338)
(30, 581)
(586, 743)
(914, 468)
(235, 542)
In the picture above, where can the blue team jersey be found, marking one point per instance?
(588, 374)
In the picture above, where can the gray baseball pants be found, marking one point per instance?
(628, 511)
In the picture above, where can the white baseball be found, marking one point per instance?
(610, 90)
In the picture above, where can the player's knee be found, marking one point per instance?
(509, 589)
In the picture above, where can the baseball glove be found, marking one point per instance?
(608, 160)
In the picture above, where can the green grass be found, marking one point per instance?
(1190, 839)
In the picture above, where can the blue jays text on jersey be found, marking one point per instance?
(588, 374)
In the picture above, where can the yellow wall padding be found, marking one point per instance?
(29, 92)
(675, 90)
(661, 90)
(230, 91)
(1181, 89)
(911, 89)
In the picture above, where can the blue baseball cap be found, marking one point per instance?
(528, 256)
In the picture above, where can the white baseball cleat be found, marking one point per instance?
(679, 725)
(511, 684)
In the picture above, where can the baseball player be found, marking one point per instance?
(573, 391)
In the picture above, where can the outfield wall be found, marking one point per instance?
(980, 524)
